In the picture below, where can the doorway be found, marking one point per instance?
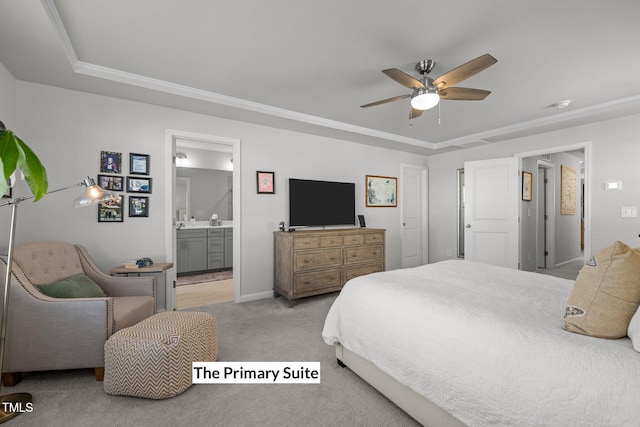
(557, 239)
(179, 141)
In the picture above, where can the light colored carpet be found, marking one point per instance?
(568, 270)
(264, 330)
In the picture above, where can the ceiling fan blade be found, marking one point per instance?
(403, 78)
(385, 101)
(463, 94)
(464, 71)
(415, 113)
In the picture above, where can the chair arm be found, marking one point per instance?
(115, 286)
(47, 333)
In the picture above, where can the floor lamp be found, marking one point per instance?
(14, 403)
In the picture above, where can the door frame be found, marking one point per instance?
(171, 135)
(587, 147)
(550, 202)
(424, 204)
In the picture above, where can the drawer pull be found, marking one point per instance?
(307, 261)
(306, 282)
(332, 258)
(354, 256)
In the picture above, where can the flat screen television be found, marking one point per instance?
(316, 203)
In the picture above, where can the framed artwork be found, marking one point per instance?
(138, 206)
(110, 162)
(265, 182)
(527, 186)
(111, 212)
(139, 164)
(568, 190)
(138, 185)
(381, 191)
(111, 182)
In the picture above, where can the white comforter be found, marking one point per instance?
(487, 344)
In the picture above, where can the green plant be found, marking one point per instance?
(15, 154)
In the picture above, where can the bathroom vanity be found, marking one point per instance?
(203, 248)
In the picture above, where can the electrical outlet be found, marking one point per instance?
(449, 253)
(629, 212)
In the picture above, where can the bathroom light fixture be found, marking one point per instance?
(562, 104)
(181, 155)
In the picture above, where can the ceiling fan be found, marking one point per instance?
(426, 93)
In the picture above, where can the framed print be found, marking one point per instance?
(527, 189)
(138, 206)
(111, 212)
(138, 185)
(265, 182)
(568, 190)
(139, 164)
(382, 191)
(111, 182)
(110, 162)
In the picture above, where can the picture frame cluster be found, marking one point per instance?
(138, 182)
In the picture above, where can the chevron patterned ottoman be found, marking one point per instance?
(152, 359)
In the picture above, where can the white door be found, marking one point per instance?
(491, 211)
(413, 206)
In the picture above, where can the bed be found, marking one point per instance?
(462, 343)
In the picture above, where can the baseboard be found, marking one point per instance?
(256, 296)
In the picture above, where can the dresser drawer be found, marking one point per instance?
(306, 282)
(308, 260)
(330, 241)
(363, 253)
(374, 238)
(306, 242)
(353, 239)
(361, 270)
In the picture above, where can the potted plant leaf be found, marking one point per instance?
(15, 154)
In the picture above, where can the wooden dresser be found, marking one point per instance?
(315, 262)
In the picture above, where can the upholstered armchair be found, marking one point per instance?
(52, 333)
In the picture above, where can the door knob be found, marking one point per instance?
(468, 225)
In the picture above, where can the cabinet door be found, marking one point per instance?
(192, 254)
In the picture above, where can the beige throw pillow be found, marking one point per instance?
(606, 293)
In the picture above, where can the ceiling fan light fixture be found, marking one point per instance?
(425, 99)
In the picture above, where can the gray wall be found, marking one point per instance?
(68, 129)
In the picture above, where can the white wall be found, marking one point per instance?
(68, 129)
(615, 154)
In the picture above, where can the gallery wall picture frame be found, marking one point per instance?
(527, 186)
(568, 190)
(265, 182)
(110, 162)
(381, 191)
(139, 164)
(111, 212)
(137, 184)
(111, 182)
(138, 206)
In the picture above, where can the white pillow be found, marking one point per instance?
(634, 330)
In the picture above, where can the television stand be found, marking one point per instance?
(314, 262)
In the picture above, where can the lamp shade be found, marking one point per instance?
(94, 195)
(425, 99)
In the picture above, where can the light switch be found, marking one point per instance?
(629, 212)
